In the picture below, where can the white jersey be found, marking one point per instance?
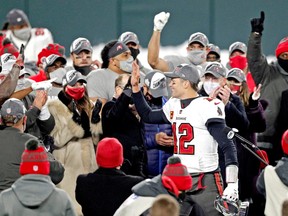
(193, 143)
(40, 38)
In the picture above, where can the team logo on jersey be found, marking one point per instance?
(216, 103)
(171, 114)
(219, 111)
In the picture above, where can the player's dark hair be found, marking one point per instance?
(194, 86)
(104, 53)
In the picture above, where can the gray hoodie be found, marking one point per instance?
(282, 172)
(35, 195)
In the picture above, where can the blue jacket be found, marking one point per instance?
(157, 155)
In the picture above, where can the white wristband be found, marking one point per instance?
(44, 114)
(231, 174)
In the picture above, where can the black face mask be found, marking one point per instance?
(283, 63)
(134, 52)
(85, 70)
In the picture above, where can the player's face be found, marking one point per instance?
(84, 58)
(176, 86)
(237, 53)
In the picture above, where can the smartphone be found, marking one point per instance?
(22, 51)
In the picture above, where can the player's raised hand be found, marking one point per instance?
(257, 23)
(135, 77)
(160, 21)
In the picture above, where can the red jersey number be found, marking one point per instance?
(186, 133)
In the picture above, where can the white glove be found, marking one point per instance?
(44, 114)
(256, 93)
(160, 21)
(44, 85)
(231, 192)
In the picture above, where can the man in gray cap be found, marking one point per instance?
(130, 39)
(198, 124)
(81, 54)
(20, 32)
(197, 48)
(214, 54)
(13, 118)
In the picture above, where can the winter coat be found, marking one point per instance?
(274, 81)
(102, 192)
(157, 155)
(35, 195)
(119, 122)
(144, 195)
(10, 157)
(76, 153)
(281, 170)
(35, 126)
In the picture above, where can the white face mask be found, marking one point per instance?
(197, 57)
(23, 34)
(58, 74)
(127, 65)
(209, 86)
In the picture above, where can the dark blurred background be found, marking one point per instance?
(223, 21)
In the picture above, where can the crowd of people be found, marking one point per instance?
(186, 136)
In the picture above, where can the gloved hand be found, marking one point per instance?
(44, 85)
(257, 23)
(160, 21)
(95, 113)
(76, 115)
(231, 192)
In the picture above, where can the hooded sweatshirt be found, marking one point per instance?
(35, 194)
(144, 193)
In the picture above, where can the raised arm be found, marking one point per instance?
(154, 44)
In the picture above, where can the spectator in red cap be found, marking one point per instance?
(274, 79)
(8, 47)
(46, 198)
(273, 182)
(55, 49)
(174, 181)
(102, 192)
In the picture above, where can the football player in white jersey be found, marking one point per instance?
(198, 124)
(20, 32)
